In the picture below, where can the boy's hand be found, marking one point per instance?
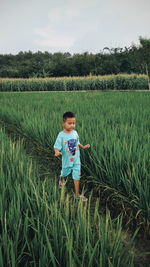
(86, 146)
(57, 153)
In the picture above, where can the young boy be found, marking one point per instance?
(68, 143)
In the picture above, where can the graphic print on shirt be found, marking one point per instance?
(72, 143)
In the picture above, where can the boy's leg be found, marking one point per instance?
(76, 186)
(76, 173)
(64, 172)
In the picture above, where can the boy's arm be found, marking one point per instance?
(84, 147)
(57, 152)
(80, 145)
(58, 146)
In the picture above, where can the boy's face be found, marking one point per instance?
(69, 124)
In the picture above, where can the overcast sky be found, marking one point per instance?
(73, 26)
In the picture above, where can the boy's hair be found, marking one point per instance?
(68, 114)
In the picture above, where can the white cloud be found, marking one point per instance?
(52, 38)
(72, 25)
(66, 24)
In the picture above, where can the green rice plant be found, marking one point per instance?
(115, 124)
(41, 226)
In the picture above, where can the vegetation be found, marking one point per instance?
(134, 59)
(115, 124)
(111, 82)
(41, 226)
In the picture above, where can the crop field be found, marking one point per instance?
(103, 83)
(41, 227)
(117, 126)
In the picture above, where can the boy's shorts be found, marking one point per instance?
(76, 172)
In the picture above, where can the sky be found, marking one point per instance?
(74, 26)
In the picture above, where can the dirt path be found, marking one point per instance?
(84, 91)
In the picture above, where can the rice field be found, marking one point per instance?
(117, 126)
(41, 226)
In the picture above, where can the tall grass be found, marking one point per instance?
(115, 124)
(108, 82)
(41, 226)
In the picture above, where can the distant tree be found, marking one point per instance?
(134, 59)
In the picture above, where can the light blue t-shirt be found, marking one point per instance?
(68, 144)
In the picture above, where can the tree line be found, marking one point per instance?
(133, 59)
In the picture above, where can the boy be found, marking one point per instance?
(68, 143)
